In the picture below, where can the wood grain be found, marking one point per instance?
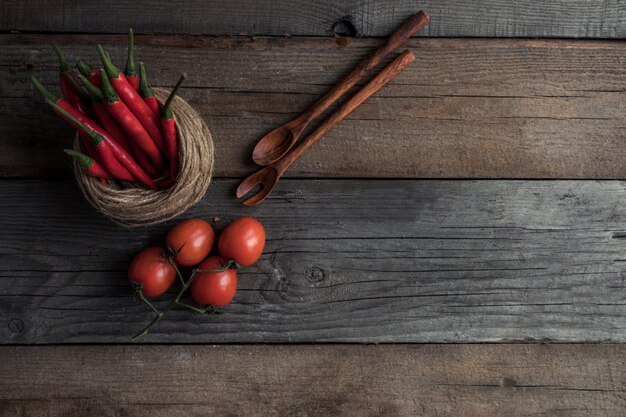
(464, 109)
(406, 261)
(487, 18)
(342, 381)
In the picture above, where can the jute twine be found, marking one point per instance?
(129, 205)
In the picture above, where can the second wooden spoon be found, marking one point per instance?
(268, 176)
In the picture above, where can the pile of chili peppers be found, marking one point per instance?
(125, 134)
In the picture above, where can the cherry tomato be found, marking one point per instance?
(243, 240)
(195, 237)
(214, 288)
(151, 269)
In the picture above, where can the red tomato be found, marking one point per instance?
(243, 240)
(151, 269)
(214, 288)
(195, 237)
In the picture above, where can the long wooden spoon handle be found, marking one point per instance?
(346, 108)
(398, 38)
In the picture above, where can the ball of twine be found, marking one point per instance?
(130, 205)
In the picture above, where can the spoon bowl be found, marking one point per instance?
(273, 146)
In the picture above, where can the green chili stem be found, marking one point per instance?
(97, 137)
(84, 68)
(83, 160)
(43, 90)
(144, 87)
(76, 86)
(107, 89)
(111, 70)
(130, 60)
(65, 67)
(166, 112)
(94, 92)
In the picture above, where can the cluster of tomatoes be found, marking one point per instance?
(188, 244)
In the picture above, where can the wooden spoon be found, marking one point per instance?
(268, 176)
(277, 143)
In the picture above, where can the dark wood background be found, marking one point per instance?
(474, 206)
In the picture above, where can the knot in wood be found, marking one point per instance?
(16, 325)
(508, 382)
(315, 274)
(343, 27)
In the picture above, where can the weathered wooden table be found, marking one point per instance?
(472, 212)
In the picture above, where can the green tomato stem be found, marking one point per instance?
(145, 300)
(223, 268)
(180, 276)
(147, 328)
(207, 309)
(176, 301)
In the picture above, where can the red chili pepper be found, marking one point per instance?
(92, 74)
(130, 98)
(108, 122)
(108, 153)
(115, 130)
(71, 91)
(143, 160)
(88, 165)
(112, 126)
(146, 92)
(85, 139)
(107, 157)
(129, 70)
(130, 123)
(90, 148)
(113, 156)
(169, 129)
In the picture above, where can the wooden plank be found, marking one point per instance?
(346, 381)
(466, 108)
(346, 261)
(488, 18)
